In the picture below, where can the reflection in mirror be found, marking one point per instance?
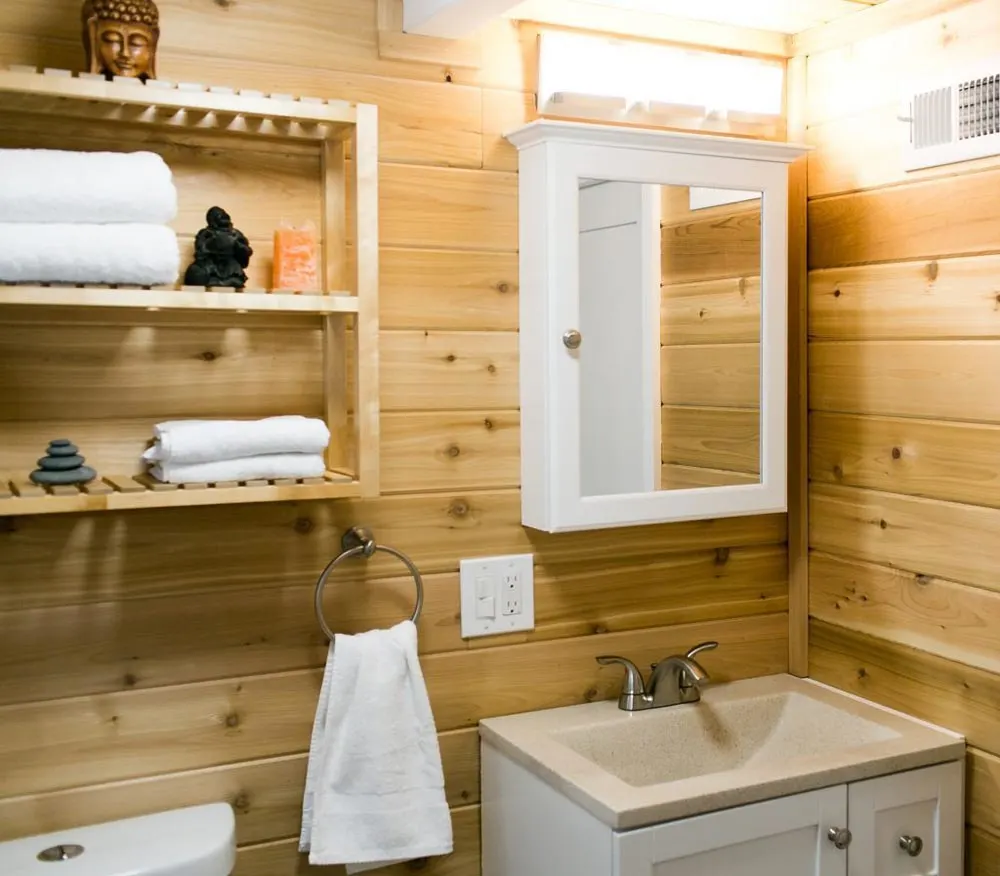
(671, 324)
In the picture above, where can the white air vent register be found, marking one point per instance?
(954, 121)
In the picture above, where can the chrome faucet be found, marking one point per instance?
(675, 680)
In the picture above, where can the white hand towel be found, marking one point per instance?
(187, 441)
(374, 785)
(134, 255)
(50, 185)
(250, 468)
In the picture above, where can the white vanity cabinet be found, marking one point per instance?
(653, 325)
(855, 829)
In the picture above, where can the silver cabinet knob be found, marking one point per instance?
(912, 845)
(839, 836)
(572, 339)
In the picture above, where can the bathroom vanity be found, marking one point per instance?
(773, 776)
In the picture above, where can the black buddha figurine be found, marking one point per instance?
(221, 252)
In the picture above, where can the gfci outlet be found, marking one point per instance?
(498, 595)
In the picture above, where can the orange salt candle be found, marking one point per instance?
(296, 252)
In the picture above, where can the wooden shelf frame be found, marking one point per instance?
(122, 492)
(160, 298)
(347, 306)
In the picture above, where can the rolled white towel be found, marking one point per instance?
(251, 468)
(137, 255)
(51, 185)
(191, 441)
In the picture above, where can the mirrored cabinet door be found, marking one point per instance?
(653, 326)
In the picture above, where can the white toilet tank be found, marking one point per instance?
(198, 841)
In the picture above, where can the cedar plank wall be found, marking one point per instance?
(904, 439)
(164, 658)
(710, 336)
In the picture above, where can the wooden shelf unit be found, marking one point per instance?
(121, 492)
(159, 298)
(347, 308)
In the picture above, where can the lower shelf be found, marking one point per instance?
(122, 492)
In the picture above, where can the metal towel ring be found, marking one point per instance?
(357, 542)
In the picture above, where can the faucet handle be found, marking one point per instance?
(697, 649)
(634, 685)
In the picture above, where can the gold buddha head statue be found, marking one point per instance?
(120, 37)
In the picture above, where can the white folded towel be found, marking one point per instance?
(374, 785)
(250, 468)
(134, 255)
(189, 441)
(50, 185)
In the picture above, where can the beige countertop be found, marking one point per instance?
(745, 741)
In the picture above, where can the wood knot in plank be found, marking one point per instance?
(862, 673)
(503, 288)
(836, 293)
(491, 368)
(208, 356)
(241, 802)
(923, 580)
(721, 556)
(897, 453)
(303, 525)
(838, 472)
(458, 509)
(932, 271)
(450, 357)
(233, 719)
(130, 680)
(453, 450)
(488, 423)
(743, 287)
(883, 524)
(590, 694)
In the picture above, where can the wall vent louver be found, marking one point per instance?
(953, 122)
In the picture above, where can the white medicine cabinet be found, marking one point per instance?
(653, 325)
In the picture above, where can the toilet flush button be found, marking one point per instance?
(60, 853)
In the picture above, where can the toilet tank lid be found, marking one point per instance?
(197, 841)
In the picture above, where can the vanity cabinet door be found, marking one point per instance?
(923, 808)
(787, 836)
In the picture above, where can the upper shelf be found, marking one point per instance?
(169, 104)
(184, 299)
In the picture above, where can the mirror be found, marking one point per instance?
(669, 339)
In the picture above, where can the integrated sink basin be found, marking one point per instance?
(745, 741)
(677, 743)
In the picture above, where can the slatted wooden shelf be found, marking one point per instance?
(119, 492)
(173, 105)
(188, 298)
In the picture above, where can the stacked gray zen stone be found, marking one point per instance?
(62, 465)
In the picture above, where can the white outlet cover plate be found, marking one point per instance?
(473, 571)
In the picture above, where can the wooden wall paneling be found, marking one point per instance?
(927, 299)
(48, 373)
(928, 536)
(394, 44)
(446, 208)
(283, 859)
(981, 853)
(904, 222)
(957, 462)
(449, 451)
(433, 529)
(875, 71)
(796, 106)
(725, 311)
(722, 438)
(712, 248)
(204, 634)
(503, 112)
(684, 477)
(266, 795)
(448, 370)
(722, 375)
(919, 610)
(448, 290)
(954, 380)
(64, 743)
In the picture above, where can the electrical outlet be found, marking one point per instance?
(497, 595)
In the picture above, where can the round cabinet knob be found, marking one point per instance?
(912, 845)
(572, 339)
(839, 836)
